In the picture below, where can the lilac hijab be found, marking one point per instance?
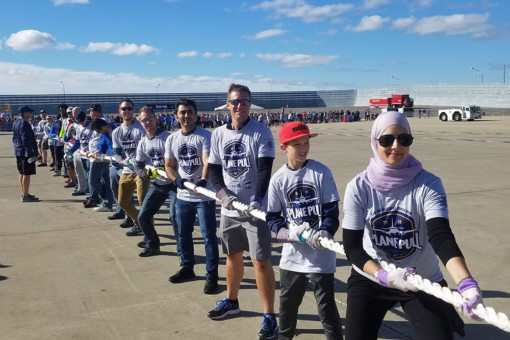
(380, 175)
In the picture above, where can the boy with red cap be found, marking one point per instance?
(305, 191)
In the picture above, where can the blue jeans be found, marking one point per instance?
(185, 216)
(93, 197)
(114, 184)
(155, 198)
(100, 180)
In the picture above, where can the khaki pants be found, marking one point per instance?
(128, 183)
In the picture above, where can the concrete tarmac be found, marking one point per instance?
(69, 273)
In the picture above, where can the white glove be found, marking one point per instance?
(396, 278)
(295, 232)
(472, 296)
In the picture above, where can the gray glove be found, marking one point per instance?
(314, 239)
(227, 198)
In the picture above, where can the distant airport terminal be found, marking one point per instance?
(489, 95)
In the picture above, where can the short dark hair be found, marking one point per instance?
(63, 106)
(238, 87)
(127, 100)
(186, 102)
(98, 123)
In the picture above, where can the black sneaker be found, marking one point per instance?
(141, 244)
(116, 216)
(52, 164)
(183, 275)
(127, 223)
(42, 164)
(29, 198)
(269, 328)
(211, 284)
(151, 251)
(70, 185)
(224, 308)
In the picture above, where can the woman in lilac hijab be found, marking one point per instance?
(395, 211)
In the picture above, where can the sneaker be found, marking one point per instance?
(116, 216)
(52, 169)
(211, 284)
(183, 275)
(269, 328)
(90, 204)
(52, 164)
(224, 308)
(29, 198)
(57, 174)
(135, 231)
(127, 223)
(78, 193)
(68, 181)
(146, 252)
(42, 164)
(65, 175)
(70, 185)
(102, 208)
(141, 244)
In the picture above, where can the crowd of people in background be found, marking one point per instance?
(109, 159)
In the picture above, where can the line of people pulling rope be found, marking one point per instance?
(395, 217)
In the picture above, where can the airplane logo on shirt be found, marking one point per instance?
(189, 160)
(235, 159)
(303, 204)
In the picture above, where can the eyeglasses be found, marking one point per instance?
(403, 139)
(127, 108)
(150, 119)
(236, 102)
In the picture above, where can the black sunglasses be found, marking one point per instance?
(403, 139)
(127, 108)
(236, 102)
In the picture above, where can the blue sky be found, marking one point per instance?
(113, 46)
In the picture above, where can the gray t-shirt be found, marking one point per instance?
(394, 222)
(300, 195)
(187, 150)
(94, 143)
(152, 152)
(237, 152)
(83, 133)
(127, 138)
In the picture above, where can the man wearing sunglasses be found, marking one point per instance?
(124, 180)
(240, 162)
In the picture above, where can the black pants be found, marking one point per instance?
(59, 157)
(368, 302)
(292, 290)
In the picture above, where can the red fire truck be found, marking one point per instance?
(397, 102)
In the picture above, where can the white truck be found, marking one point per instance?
(465, 112)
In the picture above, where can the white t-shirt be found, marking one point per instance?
(394, 222)
(300, 194)
(237, 151)
(127, 138)
(83, 133)
(187, 150)
(152, 152)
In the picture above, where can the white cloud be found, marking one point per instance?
(297, 60)
(242, 55)
(268, 34)
(207, 55)
(300, 9)
(369, 23)
(189, 54)
(32, 79)
(224, 55)
(119, 48)
(62, 2)
(65, 46)
(329, 32)
(475, 25)
(236, 74)
(27, 40)
(369, 4)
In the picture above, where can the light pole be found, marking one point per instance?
(504, 72)
(157, 94)
(64, 90)
(393, 77)
(478, 77)
(270, 85)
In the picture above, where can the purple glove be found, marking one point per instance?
(180, 182)
(396, 278)
(226, 198)
(472, 296)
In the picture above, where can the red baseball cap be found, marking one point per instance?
(293, 130)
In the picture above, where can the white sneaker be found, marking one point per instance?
(102, 209)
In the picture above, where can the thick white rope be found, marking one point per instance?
(487, 314)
